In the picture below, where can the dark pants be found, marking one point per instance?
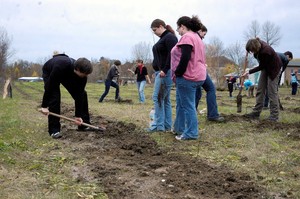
(230, 88)
(294, 88)
(108, 84)
(81, 103)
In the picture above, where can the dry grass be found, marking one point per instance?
(29, 168)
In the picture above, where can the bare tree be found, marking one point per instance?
(253, 31)
(271, 33)
(235, 52)
(5, 42)
(268, 32)
(142, 50)
(214, 52)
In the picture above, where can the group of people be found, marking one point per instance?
(271, 65)
(182, 63)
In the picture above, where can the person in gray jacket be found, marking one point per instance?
(111, 80)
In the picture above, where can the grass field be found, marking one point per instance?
(269, 152)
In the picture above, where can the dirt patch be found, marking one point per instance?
(128, 163)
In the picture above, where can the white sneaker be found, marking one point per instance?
(56, 135)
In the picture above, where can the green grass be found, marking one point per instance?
(35, 166)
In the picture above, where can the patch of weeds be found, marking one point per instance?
(293, 159)
(9, 160)
(59, 160)
(19, 144)
(3, 146)
(36, 166)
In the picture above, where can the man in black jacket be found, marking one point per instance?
(72, 74)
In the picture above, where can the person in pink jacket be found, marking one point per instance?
(188, 66)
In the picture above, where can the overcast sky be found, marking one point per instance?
(110, 28)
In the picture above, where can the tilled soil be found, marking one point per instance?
(128, 163)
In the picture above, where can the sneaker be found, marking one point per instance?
(180, 137)
(252, 115)
(149, 130)
(119, 99)
(217, 119)
(56, 135)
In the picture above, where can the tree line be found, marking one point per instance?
(220, 60)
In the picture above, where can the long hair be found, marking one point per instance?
(158, 22)
(193, 23)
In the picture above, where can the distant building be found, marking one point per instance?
(30, 79)
(292, 67)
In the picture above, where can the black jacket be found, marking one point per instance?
(60, 70)
(162, 51)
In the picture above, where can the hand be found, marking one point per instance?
(245, 74)
(78, 121)
(162, 74)
(45, 111)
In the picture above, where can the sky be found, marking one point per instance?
(110, 28)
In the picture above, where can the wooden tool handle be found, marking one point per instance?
(244, 70)
(72, 120)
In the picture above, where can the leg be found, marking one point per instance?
(211, 98)
(179, 124)
(261, 90)
(186, 93)
(138, 88)
(158, 123)
(141, 91)
(107, 87)
(167, 101)
(266, 102)
(273, 95)
(198, 96)
(116, 86)
(230, 88)
(54, 106)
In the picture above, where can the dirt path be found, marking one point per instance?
(129, 164)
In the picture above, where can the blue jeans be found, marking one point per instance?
(141, 87)
(211, 99)
(108, 84)
(186, 122)
(162, 103)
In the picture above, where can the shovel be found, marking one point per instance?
(73, 120)
(239, 96)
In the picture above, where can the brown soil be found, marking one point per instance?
(128, 163)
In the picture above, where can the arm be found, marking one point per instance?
(130, 71)
(170, 43)
(184, 59)
(148, 79)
